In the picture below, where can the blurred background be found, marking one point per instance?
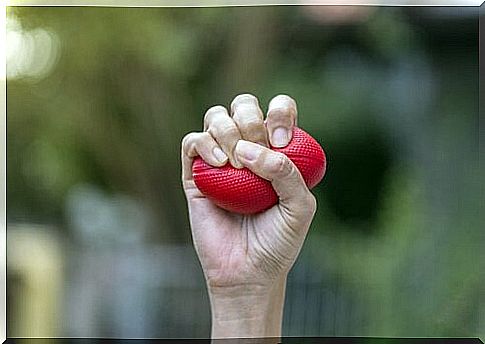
(98, 100)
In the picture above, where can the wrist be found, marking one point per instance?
(247, 311)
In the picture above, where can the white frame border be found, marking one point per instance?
(139, 3)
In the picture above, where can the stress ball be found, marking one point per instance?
(242, 191)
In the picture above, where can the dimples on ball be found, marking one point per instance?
(242, 191)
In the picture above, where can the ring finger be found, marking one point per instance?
(223, 129)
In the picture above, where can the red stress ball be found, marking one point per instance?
(242, 191)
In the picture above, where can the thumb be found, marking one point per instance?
(285, 177)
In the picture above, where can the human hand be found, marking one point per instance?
(246, 258)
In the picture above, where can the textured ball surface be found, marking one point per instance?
(242, 191)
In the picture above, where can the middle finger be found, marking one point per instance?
(249, 119)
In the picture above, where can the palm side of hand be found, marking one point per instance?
(237, 249)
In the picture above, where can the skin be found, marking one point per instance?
(246, 258)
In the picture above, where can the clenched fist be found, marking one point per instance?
(246, 258)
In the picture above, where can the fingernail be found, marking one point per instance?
(247, 151)
(219, 154)
(280, 137)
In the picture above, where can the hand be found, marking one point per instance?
(246, 258)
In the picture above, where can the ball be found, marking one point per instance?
(241, 191)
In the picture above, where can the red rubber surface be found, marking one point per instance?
(241, 191)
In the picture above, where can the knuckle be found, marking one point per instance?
(282, 114)
(282, 107)
(244, 98)
(282, 96)
(190, 141)
(216, 109)
(204, 138)
(307, 205)
(213, 111)
(251, 125)
(225, 130)
(311, 203)
(188, 138)
(229, 130)
(248, 114)
(282, 166)
(284, 99)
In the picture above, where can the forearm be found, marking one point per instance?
(248, 311)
